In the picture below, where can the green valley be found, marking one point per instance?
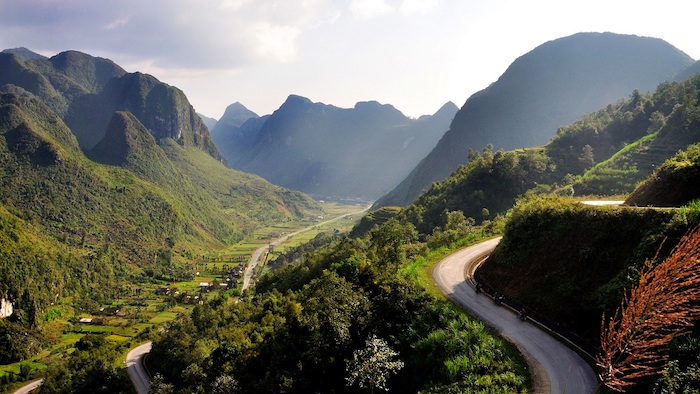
(121, 224)
(93, 227)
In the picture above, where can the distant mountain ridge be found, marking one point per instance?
(549, 87)
(24, 53)
(209, 122)
(235, 132)
(327, 151)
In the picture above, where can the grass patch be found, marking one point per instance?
(421, 269)
(163, 317)
(117, 338)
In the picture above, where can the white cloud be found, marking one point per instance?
(368, 9)
(233, 4)
(276, 43)
(412, 7)
(180, 34)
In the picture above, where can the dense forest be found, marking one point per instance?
(315, 325)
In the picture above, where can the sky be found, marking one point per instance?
(413, 54)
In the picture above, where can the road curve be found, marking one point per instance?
(29, 387)
(137, 372)
(555, 368)
(255, 258)
(134, 366)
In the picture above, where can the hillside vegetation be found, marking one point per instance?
(570, 262)
(608, 152)
(629, 140)
(549, 87)
(342, 320)
(673, 184)
(488, 185)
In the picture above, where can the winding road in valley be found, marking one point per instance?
(255, 258)
(29, 387)
(134, 366)
(137, 372)
(134, 360)
(555, 368)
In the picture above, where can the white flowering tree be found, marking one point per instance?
(371, 367)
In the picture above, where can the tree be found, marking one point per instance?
(485, 213)
(225, 384)
(372, 366)
(159, 386)
(586, 158)
(455, 220)
(391, 239)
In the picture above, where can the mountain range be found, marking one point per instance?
(327, 151)
(551, 86)
(85, 91)
(110, 179)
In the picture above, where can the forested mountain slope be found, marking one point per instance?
(147, 200)
(85, 91)
(608, 152)
(621, 145)
(549, 87)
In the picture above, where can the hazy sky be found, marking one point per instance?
(413, 54)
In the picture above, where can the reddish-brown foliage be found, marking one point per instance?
(662, 307)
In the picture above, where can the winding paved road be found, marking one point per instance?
(555, 368)
(29, 387)
(134, 366)
(137, 372)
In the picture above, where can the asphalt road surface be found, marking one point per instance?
(29, 387)
(134, 366)
(555, 368)
(255, 258)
